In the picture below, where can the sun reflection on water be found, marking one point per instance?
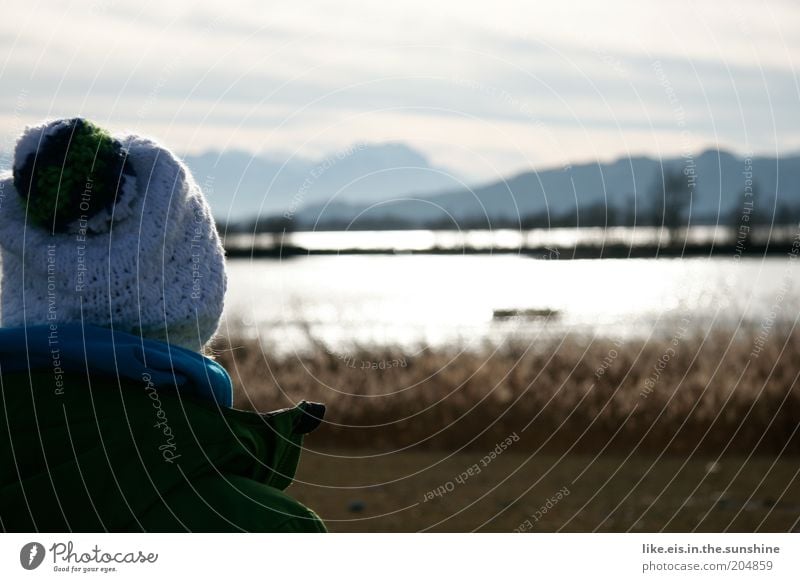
(422, 299)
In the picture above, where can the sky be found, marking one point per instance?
(482, 89)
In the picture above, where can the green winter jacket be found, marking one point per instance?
(108, 432)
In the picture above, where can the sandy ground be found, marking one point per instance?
(356, 492)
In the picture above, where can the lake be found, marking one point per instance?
(433, 300)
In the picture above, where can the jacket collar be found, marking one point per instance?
(76, 348)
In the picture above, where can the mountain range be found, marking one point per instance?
(240, 186)
(380, 185)
(630, 188)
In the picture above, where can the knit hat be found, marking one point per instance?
(107, 230)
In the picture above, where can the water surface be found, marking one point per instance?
(418, 300)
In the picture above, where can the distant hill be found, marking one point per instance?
(241, 186)
(585, 193)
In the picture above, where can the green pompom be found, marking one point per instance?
(77, 171)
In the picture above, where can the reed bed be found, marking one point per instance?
(729, 391)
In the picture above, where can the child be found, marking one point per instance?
(113, 280)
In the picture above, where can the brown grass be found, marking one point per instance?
(713, 395)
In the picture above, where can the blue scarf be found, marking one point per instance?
(77, 348)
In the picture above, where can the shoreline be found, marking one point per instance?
(611, 251)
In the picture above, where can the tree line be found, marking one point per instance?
(668, 205)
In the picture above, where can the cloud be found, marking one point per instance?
(514, 85)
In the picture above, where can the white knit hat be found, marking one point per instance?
(110, 231)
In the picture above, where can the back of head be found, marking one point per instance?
(110, 231)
